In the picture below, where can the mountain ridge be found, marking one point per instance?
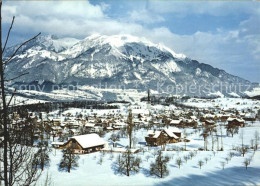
(119, 60)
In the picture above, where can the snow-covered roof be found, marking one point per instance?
(140, 111)
(89, 140)
(171, 132)
(193, 117)
(250, 115)
(56, 128)
(89, 125)
(175, 121)
(210, 121)
(232, 119)
(57, 143)
(155, 134)
(119, 124)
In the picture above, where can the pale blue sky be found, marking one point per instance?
(223, 34)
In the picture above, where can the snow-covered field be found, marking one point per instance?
(86, 92)
(91, 172)
(224, 103)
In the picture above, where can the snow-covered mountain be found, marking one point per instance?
(118, 61)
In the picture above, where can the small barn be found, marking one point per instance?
(85, 143)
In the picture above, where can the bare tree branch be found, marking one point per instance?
(11, 98)
(7, 61)
(10, 28)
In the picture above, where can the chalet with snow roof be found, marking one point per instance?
(249, 117)
(173, 135)
(236, 122)
(85, 143)
(156, 138)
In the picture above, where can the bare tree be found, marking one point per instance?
(222, 164)
(200, 163)
(212, 140)
(186, 158)
(48, 180)
(100, 161)
(179, 162)
(242, 138)
(159, 167)
(128, 163)
(42, 155)
(227, 159)
(221, 133)
(243, 150)
(206, 159)
(256, 139)
(205, 137)
(69, 160)
(184, 138)
(17, 158)
(217, 139)
(246, 162)
(114, 137)
(191, 154)
(130, 127)
(231, 154)
(252, 143)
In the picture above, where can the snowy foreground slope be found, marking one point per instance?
(90, 172)
(117, 62)
(93, 171)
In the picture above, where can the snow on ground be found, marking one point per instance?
(18, 100)
(223, 103)
(91, 172)
(254, 92)
(87, 92)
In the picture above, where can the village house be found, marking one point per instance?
(173, 135)
(209, 123)
(236, 122)
(85, 143)
(249, 117)
(156, 138)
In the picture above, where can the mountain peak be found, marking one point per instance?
(125, 60)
